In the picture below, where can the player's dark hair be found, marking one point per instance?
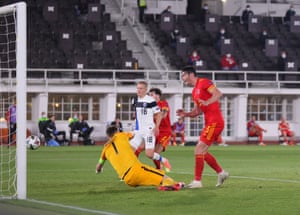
(157, 91)
(111, 130)
(189, 69)
(50, 116)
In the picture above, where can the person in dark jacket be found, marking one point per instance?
(289, 13)
(282, 59)
(247, 13)
(51, 132)
(85, 131)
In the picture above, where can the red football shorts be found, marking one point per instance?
(289, 133)
(163, 139)
(211, 132)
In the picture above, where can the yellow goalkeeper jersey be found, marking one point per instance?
(119, 153)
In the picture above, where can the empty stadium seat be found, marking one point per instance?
(50, 11)
(64, 34)
(94, 12)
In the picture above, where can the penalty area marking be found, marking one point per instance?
(71, 207)
(250, 178)
(267, 179)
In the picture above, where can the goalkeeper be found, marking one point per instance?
(134, 173)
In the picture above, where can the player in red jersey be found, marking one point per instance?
(254, 130)
(206, 98)
(162, 140)
(165, 130)
(286, 132)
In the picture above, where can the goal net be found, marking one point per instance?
(13, 90)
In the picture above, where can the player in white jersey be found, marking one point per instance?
(148, 118)
(146, 108)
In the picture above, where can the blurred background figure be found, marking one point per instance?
(42, 123)
(54, 134)
(194, 58)
(178, 131)
(142, 5)
(73, 125)
(228, 62)
(254, 130)
(85, 131)
(221, 35)
(262, 38)
(286, 132)
(11, 120)
(282, 60)
(118, 124)
(203, 12)
(167, 10)
(174, 35)
(246, 14)
(289, 13)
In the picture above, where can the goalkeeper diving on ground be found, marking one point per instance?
(119, 153)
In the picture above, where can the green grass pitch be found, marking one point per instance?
(263, 180)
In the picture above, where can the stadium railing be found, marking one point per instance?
(111, 77)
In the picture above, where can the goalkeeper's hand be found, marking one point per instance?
(99, 168)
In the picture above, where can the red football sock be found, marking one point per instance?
(138, 151)
(261, 137)
(212, 162)
(157, 164)
(182, 138)
(199, 166)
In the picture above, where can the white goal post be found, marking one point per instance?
(20, 24)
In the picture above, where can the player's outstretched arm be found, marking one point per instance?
(99, 166)
(193, 113)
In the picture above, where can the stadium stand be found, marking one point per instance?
(73, 34)
(246, 46)
(63, 34)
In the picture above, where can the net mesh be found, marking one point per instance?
(8, 40)
(7, 97)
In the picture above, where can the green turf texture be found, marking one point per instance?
(263, 180)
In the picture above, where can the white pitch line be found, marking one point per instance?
(267, 179)
(71, 207)
(247, 177)
(109, 213)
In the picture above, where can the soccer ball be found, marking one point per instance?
(33, 142)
